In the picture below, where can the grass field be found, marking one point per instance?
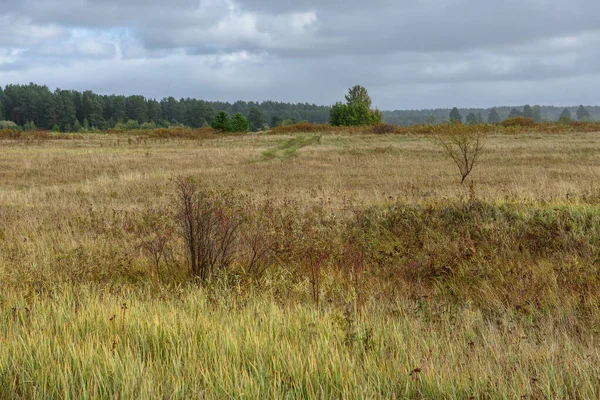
(381, 276)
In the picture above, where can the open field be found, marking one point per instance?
(382, 276)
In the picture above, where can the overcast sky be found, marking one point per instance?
(408, 53)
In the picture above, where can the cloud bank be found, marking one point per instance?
(409, 54)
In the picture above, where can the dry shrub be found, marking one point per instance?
(37, 135)
(166, 133)
(209, 226)
(319, 128)
(464, 149)
(381, 129)
(518, 121)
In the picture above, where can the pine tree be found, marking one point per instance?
(255, 119)
(222, 123)
(239, 123)
(455, 115)
(583, 114)
(471, 118)
(494, 117)
(565, 116)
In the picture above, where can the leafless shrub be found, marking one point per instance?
(354, 262)
(155, 233)
(381, 129)
(464, 148)
(209, 225)
(313, 261)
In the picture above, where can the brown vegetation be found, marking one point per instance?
(358, 268)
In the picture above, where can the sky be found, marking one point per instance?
(409, 54)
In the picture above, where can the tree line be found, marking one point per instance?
(491, 115)
(36, 106)
(534, 113)
(70, 110)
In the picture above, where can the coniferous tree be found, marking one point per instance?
(583, 114)
(239, 123)
(494, 117)
(356, 111)
(255, 119)
(471, 118)
(537, 113)
(565, 116)
(2, 107)
(222, 123)
(455, 115)
(515, 113)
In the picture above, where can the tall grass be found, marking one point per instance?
(361, 270)
(75, 343)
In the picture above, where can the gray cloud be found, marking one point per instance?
(410, 54)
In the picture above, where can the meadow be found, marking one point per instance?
(361, 267)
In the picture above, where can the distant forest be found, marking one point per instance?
(68, 110)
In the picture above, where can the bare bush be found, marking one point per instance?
(383, 128)
(464, 148)
(518, 122)
(209, 225)
(156, 234)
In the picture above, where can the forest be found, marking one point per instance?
(36, 106)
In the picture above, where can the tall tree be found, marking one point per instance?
(137, 109)
(528, 111)
(92, 109)
(255, 119)
(154, 111)
(222, 123)
(2, 106)
(583, 114)
(239, 123)
(358, 94)
(515, 113)
(471, 118)
(356, 111)
(565, 116)
(537, 113)
(65, 109)
(455, 115)
(494, 117)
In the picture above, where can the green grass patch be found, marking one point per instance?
(289, 147)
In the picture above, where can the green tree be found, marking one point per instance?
(537, 113)
(92, 109)
(255, 119)
(29, 126)
(276, 120)
(356, 111)
(222, 123)
(2, 106)
(65, 109)
(136, 108)
(565, 116)
(527, 111)
(239, 123)
(355, 114)
(494, 117)
(583, 114)
(515, 113)
(471, 118)
(455, 115)
(358, 94)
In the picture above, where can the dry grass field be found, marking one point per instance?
(378, 276)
